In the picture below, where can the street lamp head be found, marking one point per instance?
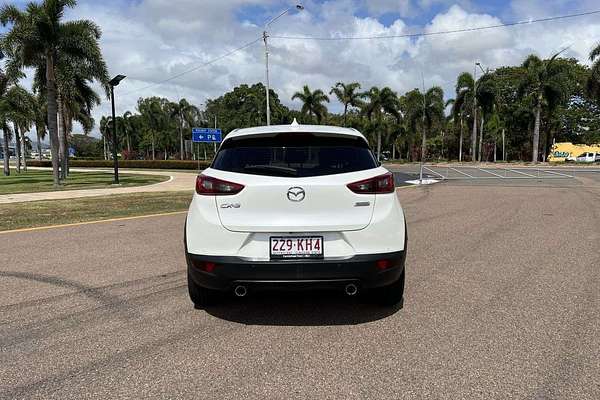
(299, 7)
(116, 80)
(478, 63)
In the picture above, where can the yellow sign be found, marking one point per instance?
(560, 151)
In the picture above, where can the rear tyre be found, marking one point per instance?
(390, 295)
(201, 296)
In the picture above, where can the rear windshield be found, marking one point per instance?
(294, 155)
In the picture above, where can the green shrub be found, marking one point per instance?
(154, 164)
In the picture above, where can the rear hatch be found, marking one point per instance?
(295, 182)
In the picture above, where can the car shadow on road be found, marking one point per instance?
(304, 308)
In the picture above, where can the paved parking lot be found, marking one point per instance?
(502, 301)
(502, 174)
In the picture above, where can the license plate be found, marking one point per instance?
(296, 247)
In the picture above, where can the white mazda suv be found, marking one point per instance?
(295, 206)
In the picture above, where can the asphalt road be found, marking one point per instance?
(502, 301)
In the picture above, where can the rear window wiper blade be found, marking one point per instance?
(283, 170)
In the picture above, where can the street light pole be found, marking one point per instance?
(424, 141)
(265, 39)
(474, 132)
(484, 72)
(265, 36)
(115, 82)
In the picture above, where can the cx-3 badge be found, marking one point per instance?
(296, 194)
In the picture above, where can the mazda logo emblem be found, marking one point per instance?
(296, 194)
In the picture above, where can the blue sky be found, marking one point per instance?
(421, 15)
(151, 40)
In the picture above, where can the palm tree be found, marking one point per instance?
(40, 114)
(76, 100)
(543, 83)
(457, 115)
(465, 97)
(379, 103)
(157, 122)
(348, 95)
(593, 82)
(127, 129)
(411, 106)
(6, 132)
(20, 111)
(105, 132)
(494, 127)
(433, 109)
(39, 39)
(312, 102)
(179, 111)
(486, 98)
(462, 106)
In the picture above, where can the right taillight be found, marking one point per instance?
(379, 184)
(207, 185)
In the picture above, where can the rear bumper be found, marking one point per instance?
(362, 270)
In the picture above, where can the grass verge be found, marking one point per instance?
(41, 181)
(56, 212)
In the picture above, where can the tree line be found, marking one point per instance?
(158, 129)
(510, 113)
(517, 111)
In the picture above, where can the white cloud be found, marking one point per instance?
(152, 40)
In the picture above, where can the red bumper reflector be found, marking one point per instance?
(383, 264)
(208, 266)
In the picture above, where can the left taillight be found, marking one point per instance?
(209, 186)
(379, 184)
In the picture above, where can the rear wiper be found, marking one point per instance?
(283, 170)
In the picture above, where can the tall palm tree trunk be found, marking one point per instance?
(443, 135)
(180, 139)
(153, 153)
(423, 144)
(39, 142)
(474, 137)
(63, 141)
(52, 118)
(68, 133)
(345, 113)
(480, 138)
(536, 135)
(536, 130)
(6, 153)
(17, 147)
(379, 139)
(503, 146)
(23, 150)
(460, 140)
(545, 145)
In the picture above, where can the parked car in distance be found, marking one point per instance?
(586, 157)
(295, 206)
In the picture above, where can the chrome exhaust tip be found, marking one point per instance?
(351, 289)
(240, 291)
